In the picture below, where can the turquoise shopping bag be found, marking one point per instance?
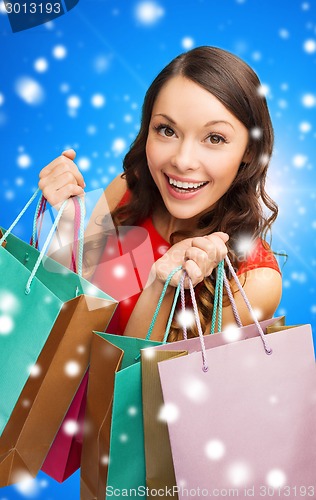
(113, 456)
(47, 314)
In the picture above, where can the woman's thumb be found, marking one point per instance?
(69, 153)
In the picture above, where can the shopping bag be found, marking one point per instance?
(47, 314)
(113, 421)
(242, 414)
(113, 456)
(64, 455)
(63, 458)
(159, 464)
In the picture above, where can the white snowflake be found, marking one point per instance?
(29, 90)
(148, 13)
(187, 43)
(24, 161)
(310, 46)
(84, 163)
(309, 100)
(59, 52)
(98, 100)
(299, 160)
(276, 478)
(41, 65)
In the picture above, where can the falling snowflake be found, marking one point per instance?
(309, 100)
(6, 324)
(72, 368)
(185, 318)
(29, 90)
(24, 161)
(231, 333)
(118, 146)
(119, 271)
(299, 160)
(239, 474)
(264, 90)
(1, 99)
(168, 413)
(26, 485)
(148, 13)
(187, 43)
(276, 478)
(35, 370)
(310, 46)
(305, 127)
(84, 163)
(70, 427)
(283, 33)
(98, 100)
(256, 133)
(74, 102)
(59, 52)
(195, 390)
(41, 65)
(215, 449)
(132, 411)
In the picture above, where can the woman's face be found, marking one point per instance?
(194, 147)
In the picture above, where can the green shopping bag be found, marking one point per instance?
(113, 456)
(39, 300)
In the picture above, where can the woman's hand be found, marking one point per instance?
(60, 180)
(198, 256)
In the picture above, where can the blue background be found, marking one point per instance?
(107, 52)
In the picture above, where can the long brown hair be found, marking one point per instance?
(241, 210)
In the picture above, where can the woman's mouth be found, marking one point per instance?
(183, 187)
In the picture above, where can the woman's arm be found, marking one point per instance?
(198, 256)
(263, 287)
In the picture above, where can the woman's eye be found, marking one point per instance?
(165, 131)
(216, 139)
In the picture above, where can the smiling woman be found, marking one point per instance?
(194, 179)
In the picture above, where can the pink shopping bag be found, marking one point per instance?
(242, 421)
(63, 458)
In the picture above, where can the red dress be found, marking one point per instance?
(126, 262)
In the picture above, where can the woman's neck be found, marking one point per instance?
(165, 224)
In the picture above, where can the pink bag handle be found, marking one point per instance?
(267, 349)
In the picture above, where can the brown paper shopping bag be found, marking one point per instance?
(48, 393)
(50, 313)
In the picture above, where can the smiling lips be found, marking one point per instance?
(185, 186)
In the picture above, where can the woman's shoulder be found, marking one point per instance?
(259, 255)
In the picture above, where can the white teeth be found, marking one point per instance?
(185, 185)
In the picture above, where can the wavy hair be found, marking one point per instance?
(242, 210)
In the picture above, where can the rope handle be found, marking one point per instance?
(267, 349)
(50, 235)
(196, 316)
(163, 293)
(78, 230)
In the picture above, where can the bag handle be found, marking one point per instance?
(78, 230)
(267, 349)
(49, 237)
(174, 303)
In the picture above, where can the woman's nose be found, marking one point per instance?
(185, 156)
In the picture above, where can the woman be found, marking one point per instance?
(195, 179)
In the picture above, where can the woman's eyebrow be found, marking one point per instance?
(216, 122)
(212, 122)
(166, 117)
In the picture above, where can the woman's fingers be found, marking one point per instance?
(204, 255)
(62, 164)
